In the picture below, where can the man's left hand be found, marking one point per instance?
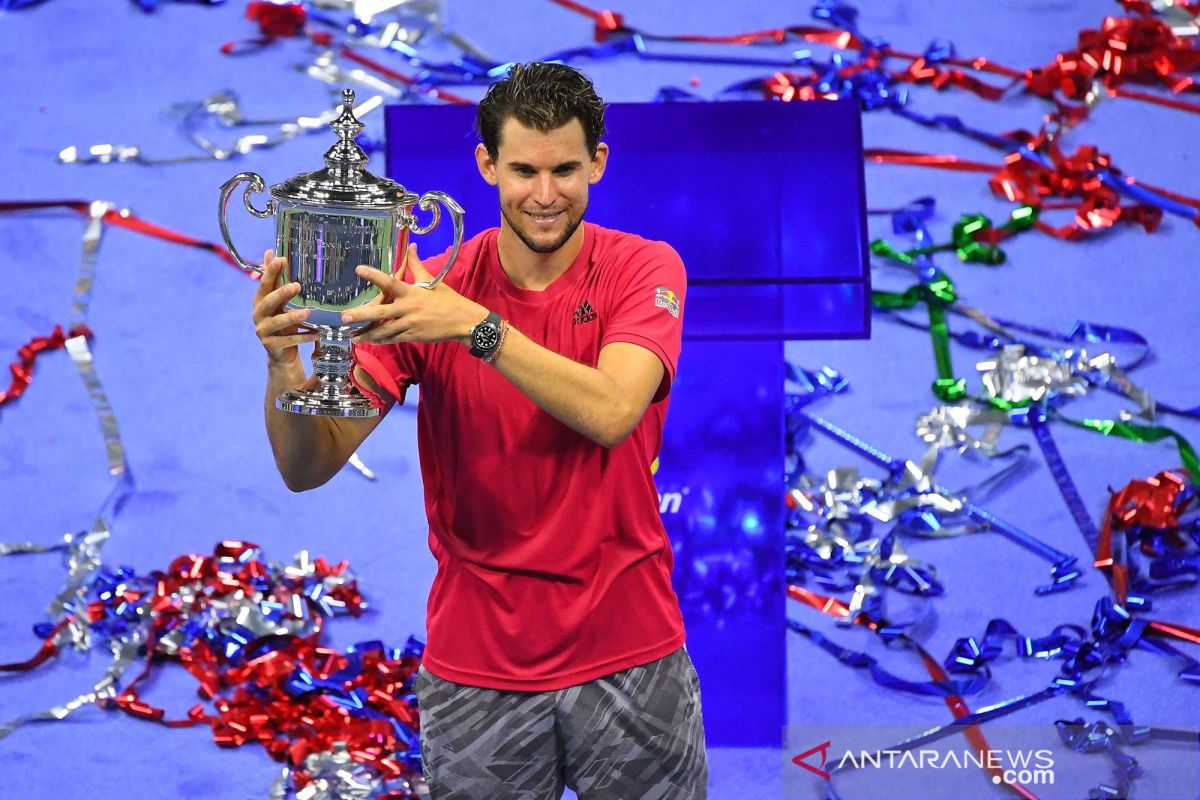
(407, 313)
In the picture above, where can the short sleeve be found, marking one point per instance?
(647, 309)
(394, 367)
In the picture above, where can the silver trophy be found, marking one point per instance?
(327, 223)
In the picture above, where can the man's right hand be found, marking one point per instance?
(277, 329)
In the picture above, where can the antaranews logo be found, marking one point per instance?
(871, 761)
(823, 749)
(948, 769)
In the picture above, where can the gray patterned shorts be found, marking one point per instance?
(633, 735)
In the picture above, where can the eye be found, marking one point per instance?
(524, 172)
(565, 169)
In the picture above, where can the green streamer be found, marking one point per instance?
(880, 247)
(964, 240)
(966, 244)
(939, 293)
(936, 295)
(1145, 434)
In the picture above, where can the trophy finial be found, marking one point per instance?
(346, 153)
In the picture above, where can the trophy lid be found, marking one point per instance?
(345, 181)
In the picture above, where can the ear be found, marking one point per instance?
(599, 162)
(487, 167)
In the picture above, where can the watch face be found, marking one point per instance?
(485, 336)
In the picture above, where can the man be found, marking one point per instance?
(545, 360)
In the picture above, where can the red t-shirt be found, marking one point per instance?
(553, 565)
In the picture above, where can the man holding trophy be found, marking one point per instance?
(545, 359)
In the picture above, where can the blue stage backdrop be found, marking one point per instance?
(770, 221)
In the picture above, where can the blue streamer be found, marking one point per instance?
(1036, 418)
(860, 660)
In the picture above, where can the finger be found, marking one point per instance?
(386, 283)
(291, 340)
(415, 267)
(384, 333)
(373, 313)
(264, 282)
(271, 267)
(273, 325)
(276, 298)
(273, 302)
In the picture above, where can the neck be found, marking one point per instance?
(528, 269)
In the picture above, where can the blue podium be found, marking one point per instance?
(765, 203)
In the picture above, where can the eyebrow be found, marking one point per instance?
(565, 164)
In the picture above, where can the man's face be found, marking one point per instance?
(543, 180)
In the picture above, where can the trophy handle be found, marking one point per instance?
(429, 202)
(256, 185)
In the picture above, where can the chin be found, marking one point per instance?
(546, 241)
(545, 244)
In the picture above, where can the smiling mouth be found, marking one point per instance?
(544, 220)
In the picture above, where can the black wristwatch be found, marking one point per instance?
(485, 336)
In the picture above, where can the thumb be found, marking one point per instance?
(414, 266)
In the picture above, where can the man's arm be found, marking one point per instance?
(309, 450)
(604, 403)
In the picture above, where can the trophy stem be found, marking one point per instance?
(330, 392)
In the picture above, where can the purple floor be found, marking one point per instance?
(178, 360)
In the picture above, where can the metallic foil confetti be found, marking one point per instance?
(225, 109)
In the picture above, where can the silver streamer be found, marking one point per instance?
(24, 548)
(399, 24)
(1017, 377)
(335, 776)
(326, 69)
(124, 653)
(77, 346)
(224, 109)
(83, 551)
(846, 495)
(83, 559)
(947, 427)
(1182, 21)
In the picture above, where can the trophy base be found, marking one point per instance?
(309, 399)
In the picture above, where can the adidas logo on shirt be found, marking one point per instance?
(585, 313)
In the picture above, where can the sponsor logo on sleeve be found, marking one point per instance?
(665, 298)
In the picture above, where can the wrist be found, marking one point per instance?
(473, 317)
(486, 335)
(287, 371)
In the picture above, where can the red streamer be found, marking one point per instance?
(1141, 50)
(277, 20)
(388, 72)
(1151, 503)
(1074, 178)
(47, 651)
(22, 368)
(610, 22)
(124, 219)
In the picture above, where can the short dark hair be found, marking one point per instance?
(541, 96)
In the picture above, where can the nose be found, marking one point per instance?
(544, 190)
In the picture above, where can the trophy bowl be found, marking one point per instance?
(327, 223)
